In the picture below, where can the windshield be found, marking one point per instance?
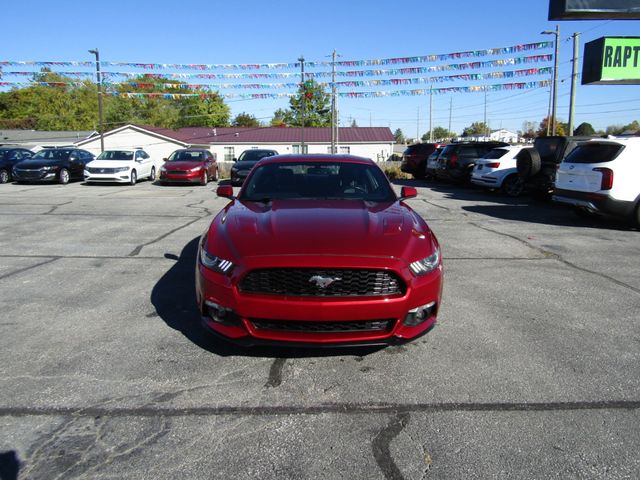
(116, 155)
(333, 180)
(52, 154)
(186, 156)
(255, 155)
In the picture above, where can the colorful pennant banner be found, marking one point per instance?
(294, 86)
(269, 66)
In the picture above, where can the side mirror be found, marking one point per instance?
(165, 159)
(408, 192)
(234, 159)
(225, 191)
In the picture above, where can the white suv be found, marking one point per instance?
(601, 176)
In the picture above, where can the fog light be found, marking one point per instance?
(220, 314)
(418, 315)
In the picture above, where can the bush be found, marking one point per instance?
(394, 173)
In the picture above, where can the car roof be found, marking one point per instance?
(315, 158)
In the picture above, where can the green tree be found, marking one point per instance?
(619, 129)
(315, 101)
(476, 128)
(584, 129)
(245, 120)
(439, 133)
(399, 136)
(55, 102)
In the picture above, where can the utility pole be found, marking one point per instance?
(334, 106)
(486, 127)
(99, 80)
(574, 82)
(554, 85)
(430, 113)
(304, 103)
(450, 108)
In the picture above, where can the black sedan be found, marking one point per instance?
(53, 164)
(9, 156)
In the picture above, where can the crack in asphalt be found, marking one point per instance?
(322, 409)
(139, 248)
(381, 446)
(55, 207)
(557, 257)
(21, 270)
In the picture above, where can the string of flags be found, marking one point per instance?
(354, 73)
(375, 94)
(249, 66)
(350, 78)
(262, 86)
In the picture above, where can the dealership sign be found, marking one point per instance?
(594, 9)
(612, 61)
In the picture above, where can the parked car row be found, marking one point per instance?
(188, 165)
(593, 175)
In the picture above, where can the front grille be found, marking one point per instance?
(100, 170)
(177, 172)
(323, 327)
(29, 173)
(309, 282)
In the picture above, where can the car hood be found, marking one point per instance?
(182, 165)
(319, 227)
(244, 165)
(110, 163)
(38, 163)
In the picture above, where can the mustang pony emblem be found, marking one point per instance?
(323, 282)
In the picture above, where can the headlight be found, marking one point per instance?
(214, 263)
(121, 169)
(196, 169)
(163, 168)
(49, 168)
(426, 265)
(234, 169)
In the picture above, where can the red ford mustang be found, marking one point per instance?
(318, 250)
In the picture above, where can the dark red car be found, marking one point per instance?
(318, 249)
(189, 165)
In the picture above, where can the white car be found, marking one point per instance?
(498, 169)
(602, 176)
(122, 166)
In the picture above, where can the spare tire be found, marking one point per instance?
(528, 162)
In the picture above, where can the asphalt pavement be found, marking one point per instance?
(532, 371)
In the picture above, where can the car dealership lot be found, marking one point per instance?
(532, 370)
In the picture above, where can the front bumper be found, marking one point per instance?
(256, 319)
(118, 177)
(34, 175)
(190, 177)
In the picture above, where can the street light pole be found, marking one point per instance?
(554, 85)
(99, 80)
(303, 90)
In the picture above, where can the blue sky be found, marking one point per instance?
(256, 32)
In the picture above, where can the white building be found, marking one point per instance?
(229, 142)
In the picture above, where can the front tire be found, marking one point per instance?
(512, 186)
(134, 177)
(205, 178)
(4, 176)
(152, 175)
(63, 176)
